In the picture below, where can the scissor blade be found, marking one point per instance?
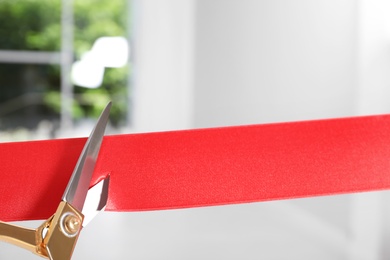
(77, 189)
(96, 200)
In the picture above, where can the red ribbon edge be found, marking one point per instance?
(204, 167)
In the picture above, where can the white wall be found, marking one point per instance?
(267, 61)
(270, 61)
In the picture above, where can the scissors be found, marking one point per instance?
(57, 236)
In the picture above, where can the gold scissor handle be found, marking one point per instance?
(29, 239)
(54, 239)
(19, 236)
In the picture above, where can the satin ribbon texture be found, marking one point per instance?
(204, 167)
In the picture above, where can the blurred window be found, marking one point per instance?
(34, 37)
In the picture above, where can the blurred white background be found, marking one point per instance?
(208, 63)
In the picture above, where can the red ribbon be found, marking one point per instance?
(204, 167)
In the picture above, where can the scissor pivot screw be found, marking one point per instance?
(70, 224)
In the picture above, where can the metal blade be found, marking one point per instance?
(96, 200)
(77, 189)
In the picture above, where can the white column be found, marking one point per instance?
(66, 63)
(365, 227)
(373, 56)
(367, 224)
(163, 65)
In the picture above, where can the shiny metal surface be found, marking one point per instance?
(77, 189)
(96, 200)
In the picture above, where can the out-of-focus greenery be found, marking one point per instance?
(36, 25)
(23, 21)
